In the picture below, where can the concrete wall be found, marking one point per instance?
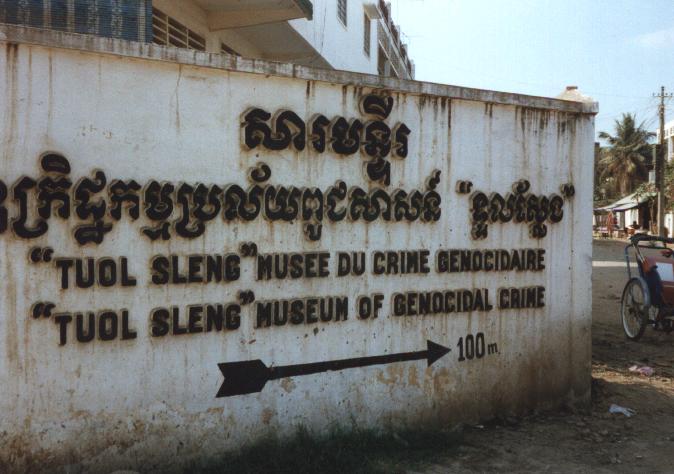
(149, 402)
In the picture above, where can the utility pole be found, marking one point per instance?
(660, 164)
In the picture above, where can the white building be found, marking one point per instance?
(669, 139)
(669, 155)
(352, 35)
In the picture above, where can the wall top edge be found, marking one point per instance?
(57, 39)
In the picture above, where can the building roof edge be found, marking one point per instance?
(94, 44)
(307, 8)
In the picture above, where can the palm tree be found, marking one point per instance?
(626, 157)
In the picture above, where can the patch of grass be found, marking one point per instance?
(341, 451)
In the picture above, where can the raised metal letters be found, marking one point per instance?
(343, 136)
(98, 205)
(520, 206)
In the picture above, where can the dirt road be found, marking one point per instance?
(595, 441)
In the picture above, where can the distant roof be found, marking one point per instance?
(626, 203)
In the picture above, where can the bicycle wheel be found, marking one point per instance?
(634, 308)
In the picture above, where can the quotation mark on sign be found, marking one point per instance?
(567, 190)
(537, 231)
(39, 254)
(42, 309)
(246, 297)
(464, 187)
(313, 231)
(248, 249)
(433, 181)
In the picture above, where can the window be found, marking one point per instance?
(227, 50)
(168, 32)
(366, 34)
(381, 62)
(341, 11)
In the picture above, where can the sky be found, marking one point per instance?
(619, 52)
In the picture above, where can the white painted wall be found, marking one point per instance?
(341, 45)
(669, 139)
(334, 44)
(669, 223)
(630, 216)
(151, 402)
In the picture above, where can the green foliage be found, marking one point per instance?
(669, 184)
(624, 163)
(645, 189)
(649, 188)
(359, 451)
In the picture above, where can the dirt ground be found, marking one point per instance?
(596, 441)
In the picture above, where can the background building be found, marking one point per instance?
(352, 35)
(123, 19)
(669, 140)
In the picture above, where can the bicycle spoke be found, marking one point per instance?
(634, 298)
(635, 310)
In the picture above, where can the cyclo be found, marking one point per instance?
(648, 299)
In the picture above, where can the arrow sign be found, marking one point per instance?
(250, 376)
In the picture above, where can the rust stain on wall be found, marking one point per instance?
(413, 377)
(288, 385)
(392, 375)
(267, 415)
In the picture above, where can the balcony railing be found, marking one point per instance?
(394, 34)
